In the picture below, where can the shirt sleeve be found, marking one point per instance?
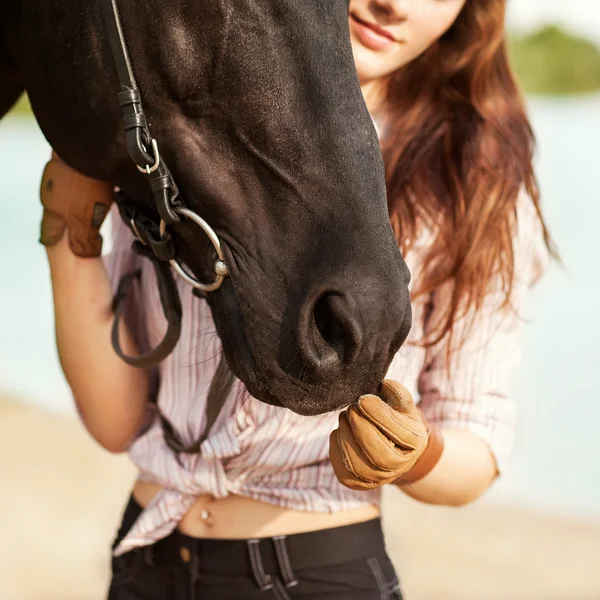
(475, 392)
(119, 258)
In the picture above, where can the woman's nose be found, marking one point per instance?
(393, 11)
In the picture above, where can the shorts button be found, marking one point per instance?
(185, 554)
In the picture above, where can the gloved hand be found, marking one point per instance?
(383, 440)
(75, 203)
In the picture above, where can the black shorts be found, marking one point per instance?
(343, 563)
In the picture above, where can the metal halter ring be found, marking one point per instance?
(220, 268)
(150, 169)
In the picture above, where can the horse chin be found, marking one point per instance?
(304, 402)
(327, 397)
(271, 385)
(310, 408)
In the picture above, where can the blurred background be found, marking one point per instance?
(535, 536)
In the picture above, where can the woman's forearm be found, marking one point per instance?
(110, 395)
(465, 471)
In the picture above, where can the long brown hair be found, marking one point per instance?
(458, 150)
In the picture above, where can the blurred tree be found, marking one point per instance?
(552, 61)
(22, 106)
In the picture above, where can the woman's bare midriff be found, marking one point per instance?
(237, 517)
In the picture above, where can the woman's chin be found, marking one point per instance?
(370, 66)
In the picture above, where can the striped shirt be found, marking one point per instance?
(276, 456)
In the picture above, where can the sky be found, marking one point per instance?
(579, 15)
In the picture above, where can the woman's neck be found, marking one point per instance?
(373, 93)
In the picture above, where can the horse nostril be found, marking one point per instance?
(336, 334)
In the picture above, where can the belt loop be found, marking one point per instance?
(263, 580)
(194, 574)
(283, 560)
(148, 554)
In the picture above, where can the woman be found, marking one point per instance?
(276, 505)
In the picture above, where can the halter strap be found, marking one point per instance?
(142, 148)
(169, 299)
(153, 243)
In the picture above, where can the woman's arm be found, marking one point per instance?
(386, 439)
(465, 395)
(473, 401)
(465, 471)
(110, 395)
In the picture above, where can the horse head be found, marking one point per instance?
(260, 117)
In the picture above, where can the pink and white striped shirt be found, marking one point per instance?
(276, 456)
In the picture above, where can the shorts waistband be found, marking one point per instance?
(299, 551)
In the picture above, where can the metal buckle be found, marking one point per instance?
(150, 169)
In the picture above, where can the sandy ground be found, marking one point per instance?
(61, 498)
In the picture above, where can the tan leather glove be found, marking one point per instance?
(383, 440)
(75, 203)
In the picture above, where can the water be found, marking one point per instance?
(556, 463)
(557, 460)
(28, 359)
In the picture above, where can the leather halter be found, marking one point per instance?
(142, 148)
(159, 247)
(154, 240)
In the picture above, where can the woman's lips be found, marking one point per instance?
(370, 35)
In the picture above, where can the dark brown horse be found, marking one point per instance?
(261, 120)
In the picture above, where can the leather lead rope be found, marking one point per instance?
(220, 386)
(223, 378)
